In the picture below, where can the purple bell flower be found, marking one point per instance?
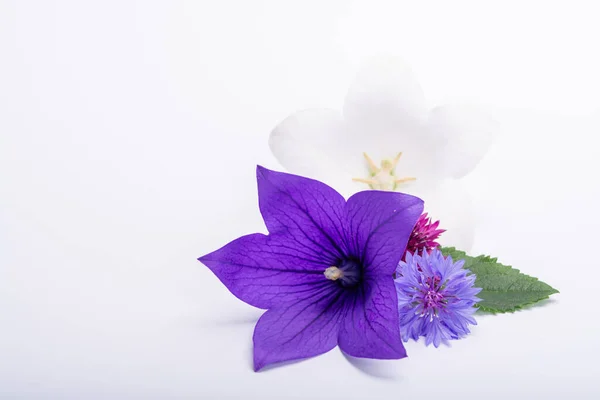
(324, 271)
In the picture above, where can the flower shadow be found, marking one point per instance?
(380, 369)
(250, 359)
(236, 320)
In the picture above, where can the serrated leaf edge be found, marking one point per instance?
(485, 258)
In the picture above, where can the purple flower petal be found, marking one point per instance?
(265, 271)
(380, 224)
(370, 325)
(303, 329)
(306, 210)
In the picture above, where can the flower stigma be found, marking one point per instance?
(333, 273)
(383, 177)
(348, 273)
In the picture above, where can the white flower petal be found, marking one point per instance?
(387, 113)
(310, 143)
(451, 204)
(386, 92)
(466, 134)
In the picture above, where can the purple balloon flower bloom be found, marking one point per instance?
(436, 297)
(324, 271)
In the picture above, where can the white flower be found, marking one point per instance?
(385, 113)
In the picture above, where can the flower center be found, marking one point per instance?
(383, 177)
(432, 298)
(347, 272)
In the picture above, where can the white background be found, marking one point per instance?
(129, 134)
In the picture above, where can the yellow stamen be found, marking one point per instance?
(383, 178)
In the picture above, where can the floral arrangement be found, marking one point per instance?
(376, 270)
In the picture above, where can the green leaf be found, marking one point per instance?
(504, 289)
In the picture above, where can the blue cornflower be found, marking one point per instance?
(436, 297)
